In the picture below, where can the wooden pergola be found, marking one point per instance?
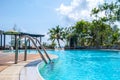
(16, 34)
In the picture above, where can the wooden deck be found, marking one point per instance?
(8, 59)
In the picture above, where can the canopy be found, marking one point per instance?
(11, 32)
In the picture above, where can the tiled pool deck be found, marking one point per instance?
(22, 70)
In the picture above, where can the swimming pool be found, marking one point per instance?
(29, 51)
(83, 65)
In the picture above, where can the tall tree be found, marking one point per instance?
(68, 32)
(111, 12)
(111, 15)
(81, 30)
(56, 34)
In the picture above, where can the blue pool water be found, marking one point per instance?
(83, 65)
(29, 51)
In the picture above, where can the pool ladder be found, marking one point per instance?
(38, 49)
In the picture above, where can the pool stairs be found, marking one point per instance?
(33, 40)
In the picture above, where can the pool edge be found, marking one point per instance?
(37, 75)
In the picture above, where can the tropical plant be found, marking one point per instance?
(99, 32)
(68, 34)
(111, 12)
(81, 31)
(115, 35)
(56, 34)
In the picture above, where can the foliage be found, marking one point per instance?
(111, 12)
(56, 34)
(101, 31)
(51, 46)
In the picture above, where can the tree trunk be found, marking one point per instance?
(58, 43)
(101, 40)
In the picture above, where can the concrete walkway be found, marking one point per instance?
(12, 71)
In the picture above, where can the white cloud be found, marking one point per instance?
(78, 9)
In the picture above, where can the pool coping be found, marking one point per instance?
(29, 71)
(12, 72)
(25, 73)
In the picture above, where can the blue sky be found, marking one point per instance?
(37, 16)
(33, 16)
(30, 14)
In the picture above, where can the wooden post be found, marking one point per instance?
(19, 42)
(16, 51)
(1, 41)
(4, 40)
(25, 55)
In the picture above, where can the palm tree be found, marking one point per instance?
(56, 34)
(68, 34)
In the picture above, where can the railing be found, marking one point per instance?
(43, 49)
(25, 56)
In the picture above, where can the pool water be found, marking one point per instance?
(29, 51)
(83, 65)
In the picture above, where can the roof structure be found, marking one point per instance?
(12, 32)
(3, 35)
(33, 35)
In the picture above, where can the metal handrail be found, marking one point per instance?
(43, 48)
(30, 38)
